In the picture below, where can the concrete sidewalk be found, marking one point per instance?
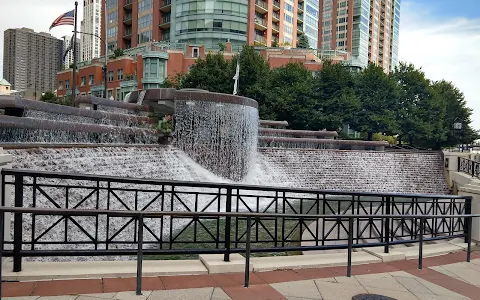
(443, 277)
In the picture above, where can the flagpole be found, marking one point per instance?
(74, 80)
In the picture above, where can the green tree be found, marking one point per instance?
(290, 98)
(420, 112)
(334, 90)
(456, 111)
(48, 96)
(213, 74)
(302, 42)
(377, 94)
(117, 53)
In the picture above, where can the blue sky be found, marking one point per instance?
(446, 9)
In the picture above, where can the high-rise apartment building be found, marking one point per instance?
(368, 29)
(31, 60)
(130, 23)
(91, 24)
(68, 60)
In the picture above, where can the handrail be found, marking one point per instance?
(469, 166)
(140, 215)
(153, 181)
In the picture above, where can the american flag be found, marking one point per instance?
(67, 18)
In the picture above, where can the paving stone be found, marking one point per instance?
(71, 297)
(468, 275)
(183, 294)
(382, 281)
(439, 290)
(279, 276)
(413, 285)
(132, 296)
(347, 280)
(327, 280)
(21, 298)
(188, 281)
(403, 295)
(68, 287)
(300, 298)
(17, 289)
(401, 274)
(301, 289)
(339, 291)
(219, 294)
(437, 297)
(254, 292)
(99, 295)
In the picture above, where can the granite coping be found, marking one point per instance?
(154, 95)
(90, 99)
(297, 132)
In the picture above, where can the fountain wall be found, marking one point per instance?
(218, 131)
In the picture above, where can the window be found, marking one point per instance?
(341, 20)
(311, 10)
(195, 52)
(90, 79)
(288, 7)
(120, 74)
(145, 21)
(144, 5)
(112, 4)
(60, 85)
(340, 43)
(144, 37)
(288, 18)
(112, 17)
(109, 93)
(67, 84)
(82, 81)
(110, 76)
(112, 32)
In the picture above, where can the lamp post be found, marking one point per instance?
(457, 127)
(105, 63)
(35, 89)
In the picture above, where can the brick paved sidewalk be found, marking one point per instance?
(443, 277)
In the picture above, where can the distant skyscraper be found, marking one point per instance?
(92, 17)
(130, 23)
(31, 59)
(368, 29)
(69, 57)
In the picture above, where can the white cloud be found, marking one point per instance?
(37, 15)
(445, 49)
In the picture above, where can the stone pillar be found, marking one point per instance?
(450, 160)
(5, 162)
(473, 189)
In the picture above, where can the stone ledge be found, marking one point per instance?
(430, 250)
(99, 269)
(261, 264)
(393, 255)
(215, 264)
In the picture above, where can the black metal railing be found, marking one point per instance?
(468, 166)
(201, 218)
(141, 216)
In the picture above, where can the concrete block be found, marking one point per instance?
(430, 250)
(393, 255)
(99, 269)
(215, 264)
(310, 261)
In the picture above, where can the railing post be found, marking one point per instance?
(458, 164)
(247, 252)
(2, 238)
(469, 238)
(17, 225)
(350, 246)
(139, 256)
(468, 211)
(473, 168)
(420, 249)
(387, 226)
(228, 225)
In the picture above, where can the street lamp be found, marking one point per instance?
(105, 64)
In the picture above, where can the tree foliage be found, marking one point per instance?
(403, 106)
(302, 42)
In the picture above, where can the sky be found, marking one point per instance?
(441, 36)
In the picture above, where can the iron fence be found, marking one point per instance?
(200, 218)
(468, 166)
(140, 216)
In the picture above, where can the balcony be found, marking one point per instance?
(261, 6)
(166, 5)
(260, 39)
(300, 7)
(165, 22)
(300, 19)
(127, 34)
(260, 24)
(275, 28)
(299, 30)
(276, 5)
(128, 4)
(276, 17)
(127, 20)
